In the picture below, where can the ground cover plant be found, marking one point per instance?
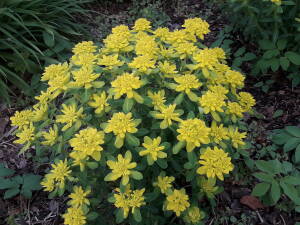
(146, 125)
(34, 34)
(273, 25)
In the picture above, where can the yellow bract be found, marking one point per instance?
(177, 201)
(215, 163)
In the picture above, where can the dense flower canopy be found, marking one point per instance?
(115, 118)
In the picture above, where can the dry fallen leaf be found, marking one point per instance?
(252, 202)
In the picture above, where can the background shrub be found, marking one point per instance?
(143, 128)
(34, 33)
(274, 27)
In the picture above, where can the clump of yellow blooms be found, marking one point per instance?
(138, 119)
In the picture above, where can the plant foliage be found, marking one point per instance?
(146, 124)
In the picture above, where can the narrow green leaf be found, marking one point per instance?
(132, 140)
(275, 191)
(293, 57)
(293, 130)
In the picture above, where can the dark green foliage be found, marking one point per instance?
(281, 179)
(20, 184)
(34, 33)
(274, 30)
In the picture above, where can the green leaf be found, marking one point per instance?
(178, 147)
(136, 175)
(31, 182)
(162, 163)
(284, 63)
(11, 193)
(290, 191)
(132, 140)
(281, 44)
(5, 171)
(264, 177)
(92, 216)
(260, 189)
(178, 100)
(270, 166)
(92, 165)
(137, 215)
(249, 56)
(120, 216)
(297, 154)
(291, 180)
(293, 57)
(275, 191)
(128, 104)
(295, 131)
(266, 44)
(48, 39)
(7, 183)
(277, 113)
(291, 144)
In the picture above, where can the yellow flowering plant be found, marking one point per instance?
(145, 126)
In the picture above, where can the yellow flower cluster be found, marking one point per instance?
(120, 113)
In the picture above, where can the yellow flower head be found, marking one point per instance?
(146, 45)
(197, 27)
(233, 108)
(84, 77)
(185, 49)
(122, 168)
(194, 132)
(164, 183)
(153, 150)
(79, 197)
(55, 70)
(120, 124)
(74, 216)
(246, 100)
(70, 116)
(125, 84)
(88, 142)
(142, 63)
(186, 83)
(110, 61)
(84, 60)
(208, 186)
(158, 98)
(59, 83)
(40, 112)
(162, 33)
(167, 68)
(167, 114)
(59, 173)
(99, 102)
(130, 199)
(235, 79)
(236, 137)
(122, 30)
(141, 24)
(218, 133)
(84, 47)
(206, 59)
(44, 97)
(211, 102)
(219, 90)
(117, 42)
(178, 201)
(193, 215)
(22, 118)
(214, 163)
(26, 134)
(177, 37)
(50, 136)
